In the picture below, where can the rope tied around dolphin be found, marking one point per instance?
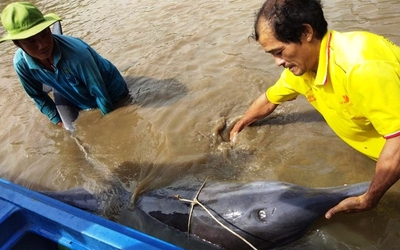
(195, 202)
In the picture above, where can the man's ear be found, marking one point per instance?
(308, 32)
(16, 42)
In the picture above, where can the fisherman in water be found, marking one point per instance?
(351, 78)
(67, 64)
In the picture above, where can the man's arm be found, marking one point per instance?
(260, 108)
(34, 89)
(42, 100)
(387, 173)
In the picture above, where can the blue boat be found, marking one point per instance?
(32, 220)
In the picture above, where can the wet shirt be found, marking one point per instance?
(356, 88)
(81, 75)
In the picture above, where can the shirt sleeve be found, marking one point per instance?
(34, 89)
(282, 91)
(374, 87)
(90, 75)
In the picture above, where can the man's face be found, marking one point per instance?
(298, 58)
(39, 46)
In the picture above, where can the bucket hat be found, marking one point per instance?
(23, 20)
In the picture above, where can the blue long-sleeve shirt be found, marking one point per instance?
(81, 75)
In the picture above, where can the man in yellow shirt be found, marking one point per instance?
(352, 79)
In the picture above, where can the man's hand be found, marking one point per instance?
(259, 109)
(350, 205)
(235, 130)
(387, 172)
(60, 124)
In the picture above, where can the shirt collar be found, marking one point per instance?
(34, 64)
(322, 73)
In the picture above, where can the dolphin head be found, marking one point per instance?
(270, 214)
(266, 214)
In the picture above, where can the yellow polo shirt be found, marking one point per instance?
(356, 88)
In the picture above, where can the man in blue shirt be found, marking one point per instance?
(67, 64)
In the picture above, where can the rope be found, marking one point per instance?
(195, 201)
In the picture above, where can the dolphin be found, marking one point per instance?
(67, 111)
(77, 197)
(266, 214)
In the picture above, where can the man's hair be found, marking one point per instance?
(287, 18)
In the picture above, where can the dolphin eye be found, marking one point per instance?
(262, 215)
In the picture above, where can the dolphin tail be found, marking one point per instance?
(77, 197)
(57, 29)
(67, 111)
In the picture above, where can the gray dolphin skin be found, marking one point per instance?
(67, 111)
(57, 29)
(267, 214)
(77, 197)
